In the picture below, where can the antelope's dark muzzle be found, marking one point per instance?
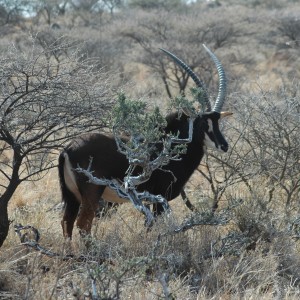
(224, 147)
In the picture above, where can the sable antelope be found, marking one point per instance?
(82, 198)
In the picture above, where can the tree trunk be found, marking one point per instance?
(4, 222)
(4, 199)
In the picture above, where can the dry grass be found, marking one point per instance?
(139, 259)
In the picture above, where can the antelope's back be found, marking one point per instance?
(107, 162)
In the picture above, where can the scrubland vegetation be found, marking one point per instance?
(71, 59)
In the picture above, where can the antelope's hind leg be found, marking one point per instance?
(88, 209)
(70, 215)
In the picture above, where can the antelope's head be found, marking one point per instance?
(208, 122)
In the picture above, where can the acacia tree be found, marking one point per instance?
(183, 35)
(88, 11)
(43, 102)
(111, 5)
(49, 9)
(156, 4)
(13, 10)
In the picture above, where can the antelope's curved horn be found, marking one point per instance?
(222, 81)
(198, 82)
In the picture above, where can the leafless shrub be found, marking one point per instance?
(43, 103)
(264, 145)
(271, 134)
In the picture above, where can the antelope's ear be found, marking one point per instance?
(225, 114)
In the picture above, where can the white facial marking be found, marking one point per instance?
(210, 125)
(208, 143)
